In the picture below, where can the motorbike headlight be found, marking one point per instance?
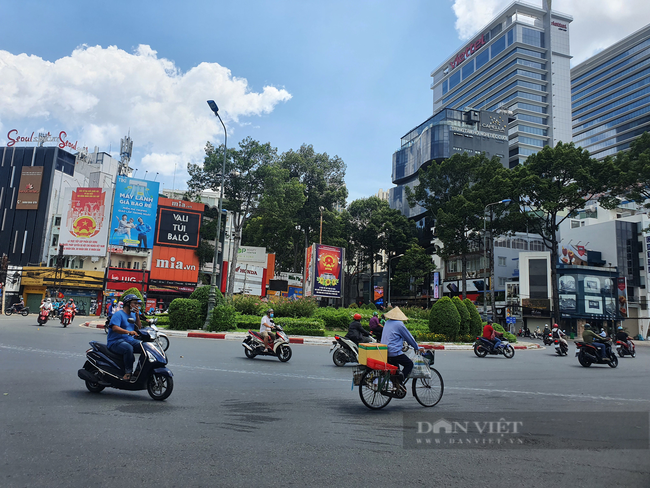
(150, 357)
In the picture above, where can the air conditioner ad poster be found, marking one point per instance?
(84, 228)
(328, 271)
(134, 213)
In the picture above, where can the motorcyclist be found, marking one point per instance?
(590, 337)
(547, 331)
(70, 306)
(356, 332)
(18, 306)
(47, 305)
(120, 338)
(559, 335)
(375, 326)
(602, 333)
(492, 335)
(266, 328)
(623, 337)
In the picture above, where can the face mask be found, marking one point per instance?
(271, 315)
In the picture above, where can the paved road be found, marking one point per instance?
(229, 417)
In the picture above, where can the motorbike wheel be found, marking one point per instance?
(613, 361)
(106, 328)
(94, 387)
(480, 351)
(428, 391)
(620, 353)
(249, 354)
(509, 351)
(8, 312)
(24, 313)
(159, 386)
(65, 323)
(284, 353)
(633, 354)
(164, 342)
(368, 392)
(583, 360)
(339, 357)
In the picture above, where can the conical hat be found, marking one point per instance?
(396, 314)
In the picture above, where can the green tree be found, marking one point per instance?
(444, 318)
(412, 269)
(475, 322)
(465, 317)
(247, 169)
(553, 184)
(631, 174)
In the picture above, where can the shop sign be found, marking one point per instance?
(39, 139)
(469, 51)
(179, 228)
(174, 264)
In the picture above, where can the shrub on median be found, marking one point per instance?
(475, 322)
(223, 318)
(185, 314)
(444, 318)
(202, 294)
(334, 318)
(464, 316)
(506, 335)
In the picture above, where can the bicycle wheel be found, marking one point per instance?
(370, 392)
(428, 391)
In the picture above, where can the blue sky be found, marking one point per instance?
(350, 78)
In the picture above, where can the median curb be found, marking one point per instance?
(310, 340)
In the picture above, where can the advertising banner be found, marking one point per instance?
(378, 296)
(179, 223)
(328, 271)
(29, 190)
(250, 254)
(436, 285)
(248, 279)
(134, 213)
(309, 272)
(171, 264)
(572, 254)
(121, 279)
(85, 226)
(622, 296)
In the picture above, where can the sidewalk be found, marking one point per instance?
(317, 341)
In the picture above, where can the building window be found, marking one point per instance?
(502, 281)
(57, 220)
(502, 261)
(136, 265)
(454, 79)
(121, 264)
(498, 46)
(575, 224)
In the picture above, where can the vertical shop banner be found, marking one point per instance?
(622, 296)
(29, 190)
(85, 226)
(378, 296)
(309, 273)
(134, 213)
(329, 271)
(436, 285)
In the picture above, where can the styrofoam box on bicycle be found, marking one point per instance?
(373, 350)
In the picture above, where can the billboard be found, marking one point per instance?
(572, 254)
(134, 213)
(248, 279)
(30, 188)
(85, 226)
(309, 272)
(172, 265)
(328, 261)
(179, 223)
(621, 288)
(121, 279)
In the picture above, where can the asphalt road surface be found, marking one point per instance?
(232, 421)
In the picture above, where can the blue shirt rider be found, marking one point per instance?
(120, 338)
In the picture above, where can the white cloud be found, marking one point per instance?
(597, 24)
(98, 94)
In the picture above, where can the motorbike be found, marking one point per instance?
(104, 368)
(561, 348)
(43, 316)
(345, 351)
(13, 309)
(254, 345)
(623, 349)
(588, 354)
(483, 347)
(548, 338)
(66, 318)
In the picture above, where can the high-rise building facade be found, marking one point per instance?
(610, 95)
(519, 62)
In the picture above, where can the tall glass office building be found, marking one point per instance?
(610, 94)
(519, 62)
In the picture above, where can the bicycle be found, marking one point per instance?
(379, 383)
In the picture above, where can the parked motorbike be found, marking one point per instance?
(254, 345)
(483, 347)
(561, 348)
(588, 354)
(43, 316)
(104, 368)
(623, 349)
(14, 309)
(66, 318)
(345, 351)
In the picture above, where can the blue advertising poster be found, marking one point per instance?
(134, 213)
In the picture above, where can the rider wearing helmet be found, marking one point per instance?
(559, 335)
(266, 328)
(623, 336)
(120, 336)
(356, 332)
(590, 337)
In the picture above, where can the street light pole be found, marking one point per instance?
(320, 240)
(485, 259)
(389, 260)
(212, 298)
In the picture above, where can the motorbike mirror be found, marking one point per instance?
(131, 320)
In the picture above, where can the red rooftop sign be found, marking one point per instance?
(469, 50)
